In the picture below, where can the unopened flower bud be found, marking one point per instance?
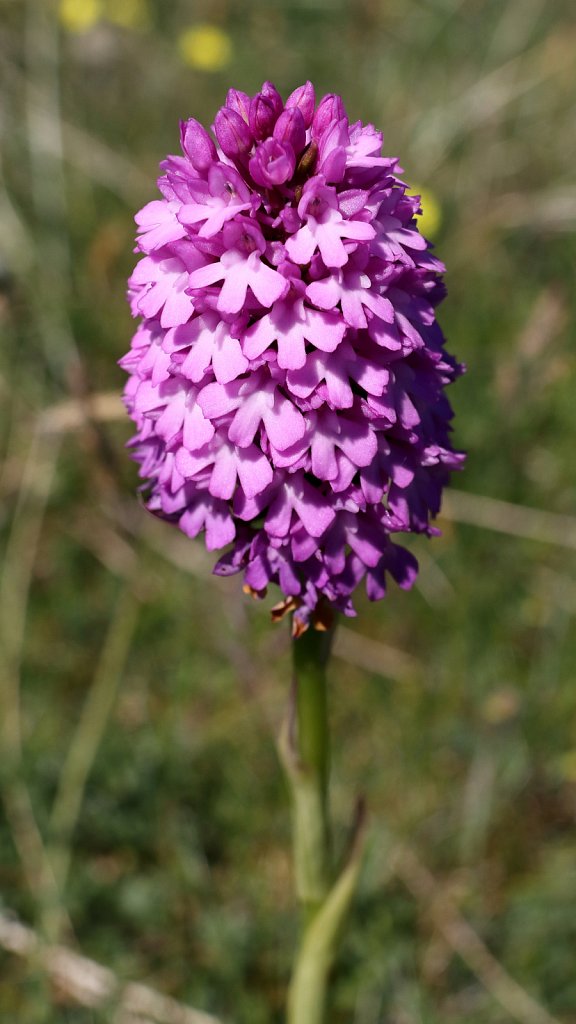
(303, 97)
(270, 92)
(273, 163)
(330, 109)
(232, 132)
(263, 116)
(290, 128)
(197, 144)
(238, 101)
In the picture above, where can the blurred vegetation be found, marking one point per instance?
(145, 821)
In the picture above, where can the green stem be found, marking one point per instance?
(309, 986)
(324, 899)
(310, 771)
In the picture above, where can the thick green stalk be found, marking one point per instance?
(310, 769)
(324, 899)
(308, 990)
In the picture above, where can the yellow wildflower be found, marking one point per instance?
(205, 47)
(567, 766)
(79, 15)
(430, 219)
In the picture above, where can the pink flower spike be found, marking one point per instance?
(287, 381)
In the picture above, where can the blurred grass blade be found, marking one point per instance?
(20, 557)
(90, 730)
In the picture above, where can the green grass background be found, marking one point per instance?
(179, 870)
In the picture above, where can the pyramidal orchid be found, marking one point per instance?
(287, 380)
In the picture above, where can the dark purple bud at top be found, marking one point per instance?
(273, 163)
(263, 116)
(304, 98)
(271, 93)
(239, 101)
(197, 144)
(232, 132)
(330, 109)
(290, 128)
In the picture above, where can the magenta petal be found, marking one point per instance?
(330, 245)
(170, 422)
(300, 247)
(284, 423)
(258, 337)
(357, 229)
(340, 393)
(325, 293)
(197, 429)
(217, 399)
(360, 446)
(325, 330)
(189, 464)
(233, 291)
(247, 420)
(193, 519)
(304, 98)
(353, 309)
(254, 470)
(315, 515)
(280, 515)
(178, 308)
(220, 529)
(302, 381)
(228, 361)
(223, 479)
(324, 464)
(380, 305)
(204, 276)
(267, 284)
(375, 586)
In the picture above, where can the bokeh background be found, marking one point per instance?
(144, 819)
